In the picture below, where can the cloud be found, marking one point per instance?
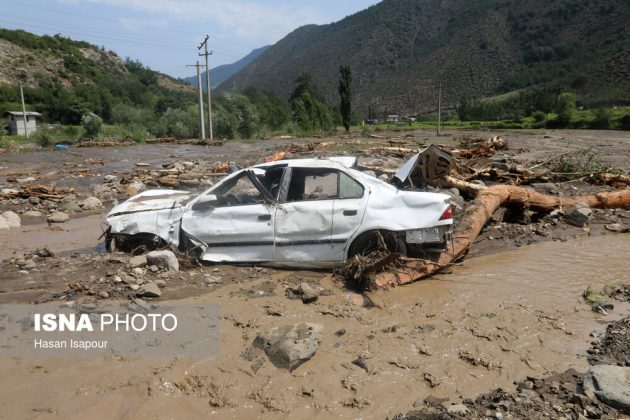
(244, 18)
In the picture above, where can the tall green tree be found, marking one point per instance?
(310, 111)
(345, 93)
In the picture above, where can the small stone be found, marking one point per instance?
(154, 268)
(58, 217)
(44, 253)
(160, 283)
(134, 287)
(151, 289)
(459, 409)
(25, 180)
(32, 213)
(498, 416)
(110, 178)
(525, 385)
(309, 294)
(137, 261)
(91, 203)
(103, 294)
(433, 401)
(142, 304)
(138, 271)
(362, 363)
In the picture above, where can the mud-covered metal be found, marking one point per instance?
(302, 212)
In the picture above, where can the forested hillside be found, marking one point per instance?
(400, 50)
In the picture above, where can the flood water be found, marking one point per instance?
(494, 320)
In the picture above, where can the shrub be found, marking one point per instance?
(43, 137)
(539, 116)
(624, 122)
(92, 124)
(603, 119)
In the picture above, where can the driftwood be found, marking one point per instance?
(488, 200)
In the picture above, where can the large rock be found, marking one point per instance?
(58, 217)
(12, 219)
(610, 384)
(165, 258)
(3, 223)
(91, 203)
(290, 345)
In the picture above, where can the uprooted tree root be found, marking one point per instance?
(394, 270)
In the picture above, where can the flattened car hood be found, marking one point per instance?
(152, 200)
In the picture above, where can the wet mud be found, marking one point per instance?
(514, 309)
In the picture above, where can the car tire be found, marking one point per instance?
(370, 241)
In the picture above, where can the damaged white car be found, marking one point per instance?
(302, 212)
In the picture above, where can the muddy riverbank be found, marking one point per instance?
(513, 309)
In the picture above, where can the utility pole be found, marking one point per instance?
(208, 87)
(201, 117)
(23, 111)
(439, 108)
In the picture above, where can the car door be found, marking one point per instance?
(303, 222)
(348, 210)
(238, 226)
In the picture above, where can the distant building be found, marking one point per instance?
(15, 122)
(393, 118)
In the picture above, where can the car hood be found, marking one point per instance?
(152, 200)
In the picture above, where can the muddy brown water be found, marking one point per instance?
(493, 320)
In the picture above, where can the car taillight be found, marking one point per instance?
(448, 214)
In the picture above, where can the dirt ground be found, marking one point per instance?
(512, 310)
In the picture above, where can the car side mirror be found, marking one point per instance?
(205, 202)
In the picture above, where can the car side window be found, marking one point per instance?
(310, 184)
(349, 187)
(239, 191)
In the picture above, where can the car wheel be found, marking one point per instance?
(378, 240)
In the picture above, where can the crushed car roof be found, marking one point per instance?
(326, 162)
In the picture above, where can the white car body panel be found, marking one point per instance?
(316, 233)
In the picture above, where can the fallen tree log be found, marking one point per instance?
(406, 270)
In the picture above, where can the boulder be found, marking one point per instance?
(164, 258)
(11, 219)
(91, 203)
(289, 346)
(58, 217)
(610, 384)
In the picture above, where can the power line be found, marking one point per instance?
(115, 38)
(65, 12)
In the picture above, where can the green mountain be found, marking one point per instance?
(400, 51)
(220, 74)
(65, 79)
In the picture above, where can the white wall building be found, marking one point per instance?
(15, 122)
